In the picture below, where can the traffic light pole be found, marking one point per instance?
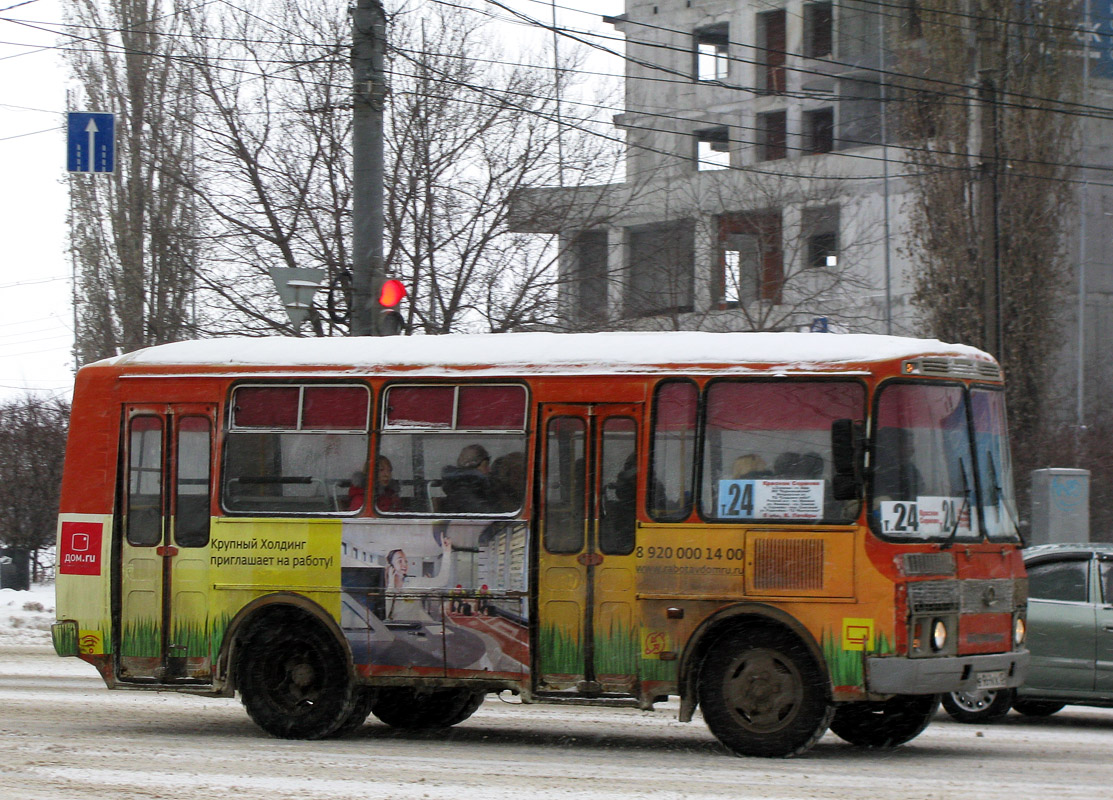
(368, 97)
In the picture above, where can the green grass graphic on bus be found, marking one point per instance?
(561, 654)
(846, 665)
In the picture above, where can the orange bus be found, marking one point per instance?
(792, 532)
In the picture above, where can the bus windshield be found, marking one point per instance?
(995, 471)
(929, 471)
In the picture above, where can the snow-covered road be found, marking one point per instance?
(63, 736)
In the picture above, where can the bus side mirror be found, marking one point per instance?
(847, 446)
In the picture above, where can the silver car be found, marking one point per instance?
(1070, 636)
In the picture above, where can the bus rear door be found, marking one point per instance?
(161, 631)
(588, 631)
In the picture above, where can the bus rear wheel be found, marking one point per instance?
(886, 723)
(294, 681)
(762, 693)
(440, 708)
(361, 710)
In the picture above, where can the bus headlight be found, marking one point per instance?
(938, 635)
(1020, 631)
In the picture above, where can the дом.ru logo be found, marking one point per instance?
(80, 548)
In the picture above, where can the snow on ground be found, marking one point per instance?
(26, 617)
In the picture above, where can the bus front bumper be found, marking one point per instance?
(946, 674)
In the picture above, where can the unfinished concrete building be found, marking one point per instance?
(766, 186)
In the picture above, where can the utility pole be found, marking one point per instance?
(368, 98)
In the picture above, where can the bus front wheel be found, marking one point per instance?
(762, 693)
(1036, 708)
(886, 723)
(294, 681)
(440, 708)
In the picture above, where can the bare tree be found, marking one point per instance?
(32, 449)
(469, 132)
(465, 133)
(132, 232)
(272, 126)
(1016, 161)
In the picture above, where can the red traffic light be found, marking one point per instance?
(392, 293)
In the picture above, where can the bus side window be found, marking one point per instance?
(619, 462)
(565, 446)
(191, 520)
(453, 449)
(144, 505)
(673, 458)
(293, 449)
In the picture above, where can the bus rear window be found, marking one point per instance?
(767, 451)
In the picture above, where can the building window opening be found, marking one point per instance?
(588, 290)
(751, 259)
(711, 53)
(773, 135)
(821, 234)
(819, 130)
(713, 148)
(772, 42)
(818, 30)
(660, 269)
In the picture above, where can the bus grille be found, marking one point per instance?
(989, 596)
(933, 597)
(788, 564)
(929, 564)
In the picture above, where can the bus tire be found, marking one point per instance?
(1036, 708)
(762, 693)
(885, 723)
(979, 706)
(440, 708)
(361, 710)
(294, 680)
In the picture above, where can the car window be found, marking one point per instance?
(1106, 581)
(1058, 580)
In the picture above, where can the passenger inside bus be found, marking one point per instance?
(620, 513)
(386, 488)
(508, 481)
(895, 474)
(467, 485)
(749, 467)
(357, 490)
(799, 466)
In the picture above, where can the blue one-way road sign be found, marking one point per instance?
(90, 142)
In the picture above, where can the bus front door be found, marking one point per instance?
(163, 529)
(587, 635)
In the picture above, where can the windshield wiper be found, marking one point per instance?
(999, 497)
(950, 540)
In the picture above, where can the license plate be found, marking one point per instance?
(994, 679)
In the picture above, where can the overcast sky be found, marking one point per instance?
(36, 315)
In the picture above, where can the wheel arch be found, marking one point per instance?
(728, 619)
(271, 609)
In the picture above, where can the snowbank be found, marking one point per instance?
(26, 617)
